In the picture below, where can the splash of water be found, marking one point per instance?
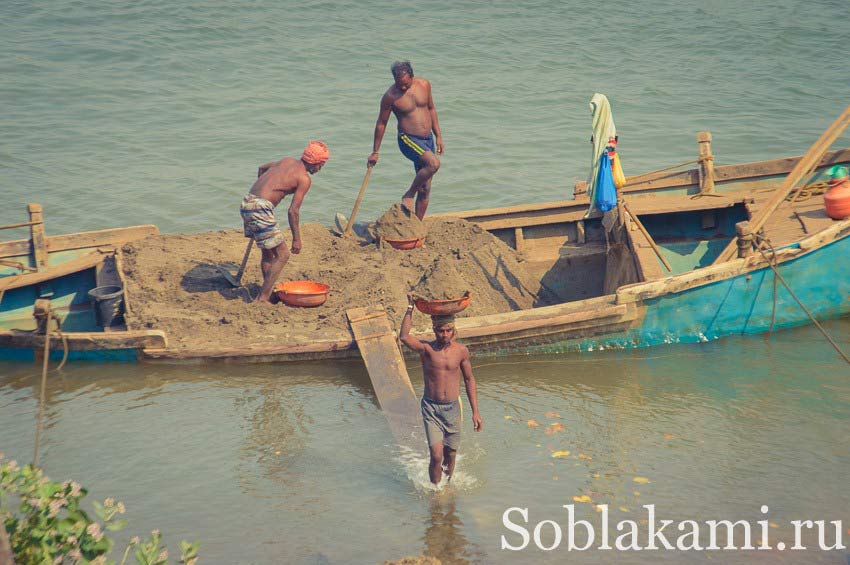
(415, 466)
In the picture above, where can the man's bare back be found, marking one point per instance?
(279, 179)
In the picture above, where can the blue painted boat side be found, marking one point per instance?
(70, 300)
(111, 355)
(745, 304)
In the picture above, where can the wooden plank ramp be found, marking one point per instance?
(379, 349)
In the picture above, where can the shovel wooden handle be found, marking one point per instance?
(244, 260)
(348, 226)
(648, 237)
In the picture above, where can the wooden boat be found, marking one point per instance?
(62, 269)
(615, 291)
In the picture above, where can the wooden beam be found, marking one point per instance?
(706, 163)
(75, 265)
(66, 242)
(385, 364)
(801, 171)
(723, 173)
(648, 237)
(18, 225)
(86, 341)
(39, 241)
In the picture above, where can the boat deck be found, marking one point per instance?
(792, 221)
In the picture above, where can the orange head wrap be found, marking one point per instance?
(315, 153)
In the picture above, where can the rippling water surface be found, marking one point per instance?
(296, 463)
(159, 112)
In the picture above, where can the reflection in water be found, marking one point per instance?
(305, 464)
(444, 535)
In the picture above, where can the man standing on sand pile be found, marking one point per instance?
(275, 181)
(410, 100)
(443, 362)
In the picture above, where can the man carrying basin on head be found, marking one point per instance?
(444, 361)
(276, 180)
(410, 99)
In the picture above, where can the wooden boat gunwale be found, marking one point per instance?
(592, 316)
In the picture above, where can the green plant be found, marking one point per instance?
(50, 527)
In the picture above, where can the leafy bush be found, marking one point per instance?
(51, 527)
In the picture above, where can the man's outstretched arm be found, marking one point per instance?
(380, 128)
(471, 391)
(406, 324)
(294, 213)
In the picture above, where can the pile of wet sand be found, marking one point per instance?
(441, 281)
(173, 283)
(398, 223)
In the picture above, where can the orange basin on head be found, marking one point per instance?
(302, 293)
(404, 243)
(443, 307)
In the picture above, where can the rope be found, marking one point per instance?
(771, 262)
(807, 191)
(630, 180)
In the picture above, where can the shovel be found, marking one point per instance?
(339, 217)
(235, 281)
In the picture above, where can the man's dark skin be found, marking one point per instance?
(275, 181)
(444, 361)
(410, 99)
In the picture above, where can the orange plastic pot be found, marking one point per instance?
(404, 243)
(304, 294)
(443, 307)
(837, 199)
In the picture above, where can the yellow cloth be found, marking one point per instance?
(617, 171)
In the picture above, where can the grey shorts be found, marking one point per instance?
(443, 421)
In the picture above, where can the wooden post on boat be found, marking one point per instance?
(801, 170)
(745, 239)
(380, 352)
(706, 163)
(39, 241)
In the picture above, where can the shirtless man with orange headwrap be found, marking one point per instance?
(276, 180)
(411, 101)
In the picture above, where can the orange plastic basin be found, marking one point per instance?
(306, 294)
(405, 243)
(443, 307)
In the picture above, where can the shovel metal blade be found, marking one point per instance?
(340, 221)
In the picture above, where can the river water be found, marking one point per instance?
(159, 112)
